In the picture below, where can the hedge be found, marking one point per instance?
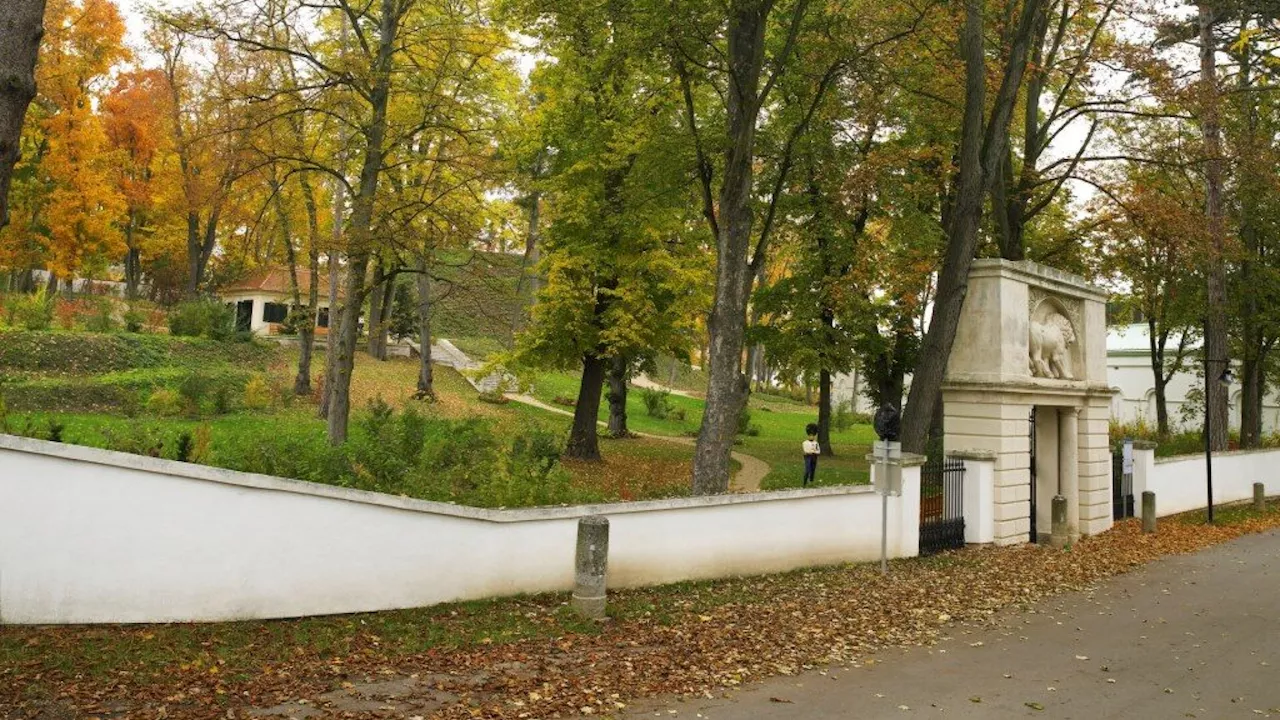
(80, 353)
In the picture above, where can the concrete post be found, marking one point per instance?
(1059, 536)
(591, 566)
(1069, 467)
(1148, 511)
(1259, 497)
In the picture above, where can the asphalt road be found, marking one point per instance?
(1195, 636)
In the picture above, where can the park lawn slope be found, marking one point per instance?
(780, 423)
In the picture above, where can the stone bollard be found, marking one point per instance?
(1148, 511)
(591, 566)
(1259, 497)
(1058, 537)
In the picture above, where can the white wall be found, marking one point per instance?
(94, 536)
(1179, 482)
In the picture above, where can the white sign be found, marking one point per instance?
(1128, 457)
(888, 460)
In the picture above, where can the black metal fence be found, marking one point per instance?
(941, 505)
(1121, 488)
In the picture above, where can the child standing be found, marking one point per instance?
(811, 452)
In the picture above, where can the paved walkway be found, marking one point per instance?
(1196, 636)
(644, 381)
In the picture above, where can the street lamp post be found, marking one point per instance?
(1225, 380)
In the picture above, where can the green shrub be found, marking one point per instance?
(101, 317)
(189, 319)
(223, 398)
(34, 311)
(194, 388)
(745, 426)
(134, 320)
(209, 318)
(136, 438)
(165, 403)
(257, 394)
(657, 403)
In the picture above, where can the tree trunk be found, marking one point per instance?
(307, 333)
(1162, 408)
(1251, 404)
(528, 285)
(384, 321)
(426, 378)
(19, 47)
(584, 441)
(331, 334)
(344, 350)
(726, 386)
(982, 147)
(618, 371)
(824, 412)
(132, 269)
(1215, 332)
(374, 321)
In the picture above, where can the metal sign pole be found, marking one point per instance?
(882, 452)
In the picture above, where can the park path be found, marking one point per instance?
(644, 381)
(443, 352)
(1187, 636)
(748, 478)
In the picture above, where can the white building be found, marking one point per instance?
(262, 300)
(1129, 371)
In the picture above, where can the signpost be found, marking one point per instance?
(888, 458)
(887, 454)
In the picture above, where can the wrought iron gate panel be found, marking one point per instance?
(941, 505)
(1032, 425)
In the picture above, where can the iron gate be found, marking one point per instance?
(1121, 488)
(1033, 474)
(941, 505)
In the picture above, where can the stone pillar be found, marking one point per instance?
(591, 566)
(979, 495)
(1259, 497)
(1059, 537)
(1144, 462)
(1069, 467)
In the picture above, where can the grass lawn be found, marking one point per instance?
(781, 422)
(634, 469)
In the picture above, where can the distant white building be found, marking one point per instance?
(1129, 372)
(262, 300)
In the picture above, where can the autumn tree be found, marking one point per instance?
(136, 116)
(85, 41)
(1150, 230)
(730, 70)
(983, 144)
(621, 273)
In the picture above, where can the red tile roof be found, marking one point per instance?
(275, 280)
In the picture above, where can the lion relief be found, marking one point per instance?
(1051, 339)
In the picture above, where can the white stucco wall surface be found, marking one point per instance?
(89, 536)
(1180, 482)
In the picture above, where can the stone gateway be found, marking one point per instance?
(1026, 384)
